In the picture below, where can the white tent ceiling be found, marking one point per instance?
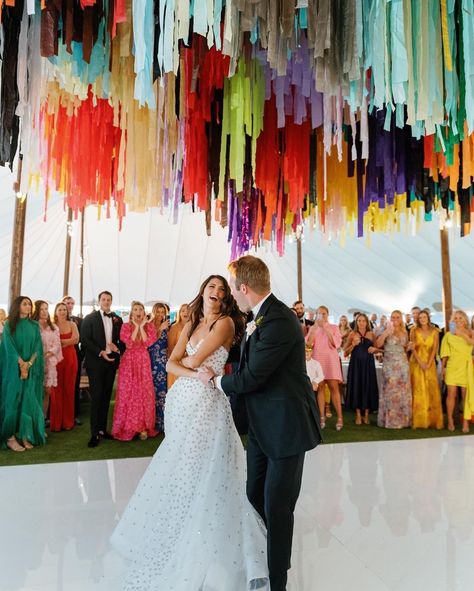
(152, 259)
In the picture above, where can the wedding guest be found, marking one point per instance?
(173, 335)
(458, 369)
(362, 393)
(135, 398)
(381, 326)
(3, 316)
(21, 379)
(344, 329)
(159, 356)
(395, 400)
(61, 410)
(52, 350)
(427, 411)
(373, 321)
(315, 372)
(325, 339)
(70, 303)
(300, 313)
(100, 339)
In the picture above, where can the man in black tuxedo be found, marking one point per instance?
(70, 303)
(100, 341)
(300, 311)
(283, 419)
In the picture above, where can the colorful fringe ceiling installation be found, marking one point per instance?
(343, 116)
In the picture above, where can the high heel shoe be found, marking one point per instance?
(27, 444)
(358, 419)
(339, 424)
(322, 423)
(366, 419)
(143, 436)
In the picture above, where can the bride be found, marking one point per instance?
(189, 525)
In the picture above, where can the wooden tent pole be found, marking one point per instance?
(18, 237)
(81, 273)
(446, 273)
(67, 257)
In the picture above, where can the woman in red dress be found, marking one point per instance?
(61, 406)
(135, 399)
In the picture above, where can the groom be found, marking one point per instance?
(283, 420)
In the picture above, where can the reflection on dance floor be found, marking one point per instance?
(375, 516)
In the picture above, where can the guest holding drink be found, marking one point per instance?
(159, 357)
(362, 393)
(135, 400)
(395, 401)
(325, 339)
(52, 350)
(61, 411)
(173, 335)
(21, 379)
(458, 369)
(427, 411)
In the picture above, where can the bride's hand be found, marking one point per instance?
(204, 374)
(187, 362)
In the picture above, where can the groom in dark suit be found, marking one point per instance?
(283, 419)
(100, 341)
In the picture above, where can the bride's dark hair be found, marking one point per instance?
(228, 308)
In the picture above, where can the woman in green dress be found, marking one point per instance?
(21, 379)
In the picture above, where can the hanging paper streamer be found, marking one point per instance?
(346, 117)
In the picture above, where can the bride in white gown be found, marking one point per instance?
(189, 525)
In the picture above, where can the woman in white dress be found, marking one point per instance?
(189, 525)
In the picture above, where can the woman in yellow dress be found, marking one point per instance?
(458, 369)
(427, 410)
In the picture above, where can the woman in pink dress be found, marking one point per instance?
(325, 339)
(135, 399)
(51, 348)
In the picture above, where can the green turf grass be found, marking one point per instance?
(71, 446)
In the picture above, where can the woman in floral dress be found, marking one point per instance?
(135, 400)
(395, 400)
(52, 349)
(159, 357)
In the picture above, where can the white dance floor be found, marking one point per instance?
(393, 516)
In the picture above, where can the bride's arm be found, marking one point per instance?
(174, 364)
(221, 335)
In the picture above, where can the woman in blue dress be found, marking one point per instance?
(159, 357)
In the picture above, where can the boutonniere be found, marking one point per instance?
(115, 319)
(253, 325)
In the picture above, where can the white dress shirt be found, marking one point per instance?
(108, 328)
(255, 311)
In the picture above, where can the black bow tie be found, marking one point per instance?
(108, 314)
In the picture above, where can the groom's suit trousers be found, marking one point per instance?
(273, 486)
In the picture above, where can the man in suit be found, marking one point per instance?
(283, 419)
(70, 303)
(300, 311)
(100, 340)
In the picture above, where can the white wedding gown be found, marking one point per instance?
(189, 525)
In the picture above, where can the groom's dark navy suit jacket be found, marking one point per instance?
(272, 374)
